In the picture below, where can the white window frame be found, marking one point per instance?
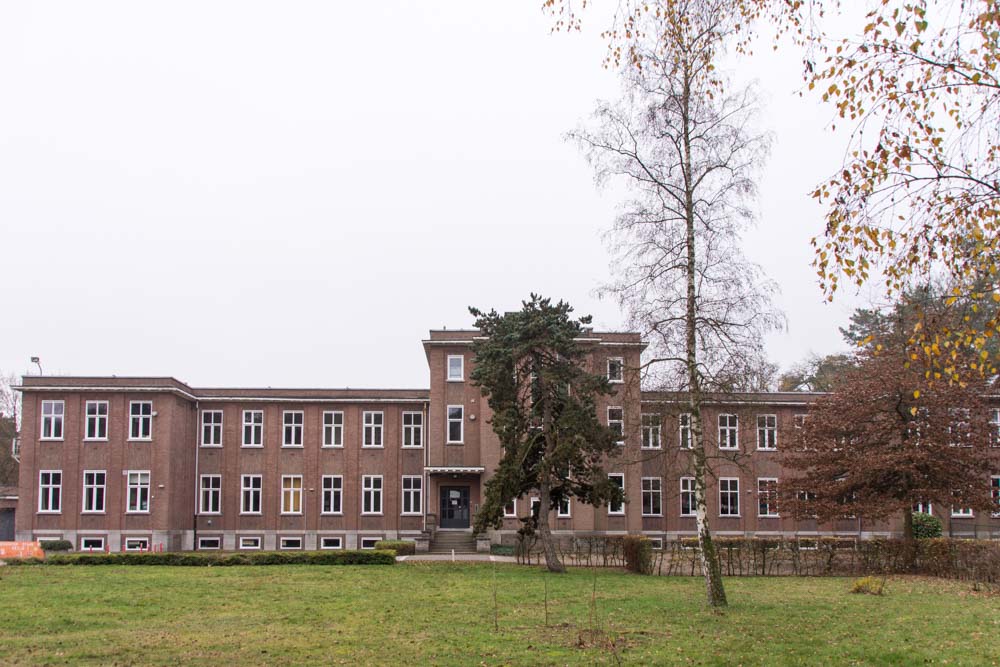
(293, 423)
(728, 482)
(772, 500)
(413, 429)
(962, 513)
(254, 428)
(372, 429)
(765, 429)
(333, 429)
(86, 549)
(621, 370)
(924, 508)
(372, 541)
(335, 491)
(655, 543)
(995, 423)
(49, 491)
(211, 430)
(533, 502)
(995, 494)
(288, 543)
(130, 543)
(99, 420)
(90, 492)
(621, 510)
(53, 425)
(323, 542)
(138, 486)
(684, 434)
(414, 493)
(688, 489)
(729, 428)
(656, 494)
(618, 424)
(256, 493)
(451, 377)
(513, 512)
(652, 431)
(144, 421)
(293, 493)
(210, 539)
(211, 493)
(460, 420)
(565, 509)
(368, 486)
(250, 543)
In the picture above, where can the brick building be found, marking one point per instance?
(140, 463)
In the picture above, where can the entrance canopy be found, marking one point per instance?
(454, 470)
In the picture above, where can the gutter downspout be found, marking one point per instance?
(194, 512)
(427, 447)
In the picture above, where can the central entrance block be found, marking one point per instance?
(454, 507)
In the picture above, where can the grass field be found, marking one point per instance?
(432, 613)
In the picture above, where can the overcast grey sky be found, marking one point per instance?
(292, 194)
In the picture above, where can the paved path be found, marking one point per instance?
(463, 558)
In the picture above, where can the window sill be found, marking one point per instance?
(50, 511)
(139, 440)
(652, 516)
(616, 513)
(729, 449)
(211, 446)
(293, 446)
(460, 442)
(331, 514)
(455, 380)
(652, 449)
(251, 514)
(768, 516)
(372, 446)
(51, 439)
(689, 516)
(93, 512)
(730, 516)
(372, 514)
(412, 447)
(767, 449)
(411, 514)
(209, 513)
(291, 514)
(95, 439)
(137, 513)
(331, 447)
(251, 446)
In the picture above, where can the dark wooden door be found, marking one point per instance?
(454, 507)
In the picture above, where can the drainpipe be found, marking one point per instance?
(426, 482)
(194, 513)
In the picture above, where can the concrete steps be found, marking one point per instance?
(461, 542)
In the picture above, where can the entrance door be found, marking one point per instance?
(454, 507)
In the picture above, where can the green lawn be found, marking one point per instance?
(433, 613)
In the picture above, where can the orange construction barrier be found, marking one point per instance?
(21, 550)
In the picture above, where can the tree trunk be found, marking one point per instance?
(710, 567)
(909, 542)
(548, 546)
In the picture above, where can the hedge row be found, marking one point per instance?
(198, 559)
(400, 547)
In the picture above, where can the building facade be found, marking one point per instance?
(124, 464)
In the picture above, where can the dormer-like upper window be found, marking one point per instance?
(456, 368)
(616, 369)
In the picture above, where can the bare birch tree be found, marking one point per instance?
(684, 145)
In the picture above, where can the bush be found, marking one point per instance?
(926, 526)
(638, 554)
(401, 547)
(868, 586)
(196, 559)
(502, 549)
(55, 545)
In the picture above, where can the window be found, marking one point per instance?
(799, 421)
(253, 428)
(370, 542)
(618, 479)
(333, 429)
(333, 494)
(962, 512)
(290, 543)
(136, 544)
(729, 432)
(372, 429)
(456, 368)
(94, 484)
(211, 428)
(91, 544)
(767, 431)
(456, 422)
(291, 494)
(413, 429)
(412, 494)
(729, 496)
(684, 427)
(995, 493)
(923, 508)
(140, 420)
(97, 420)
(510, 509)
(995, 424)
(651, 431)
(767, 496)
(292, 420)
(50, 491)
(249, 543)
(563, 512)
(331, 543)
(209, 543)
(656, 543)
(616, 422)
(52, 420)
(688, 505)
(211, 494)
(371, 494)
(250, 488)
(138, 491)
(616, 370)
(652, 496)
(533, 506)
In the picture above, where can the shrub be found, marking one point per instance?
(926, 526)
(401, 547)
(195, 559)
(55, 545)
(868, 586)
(502, 549)
(638, 554)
